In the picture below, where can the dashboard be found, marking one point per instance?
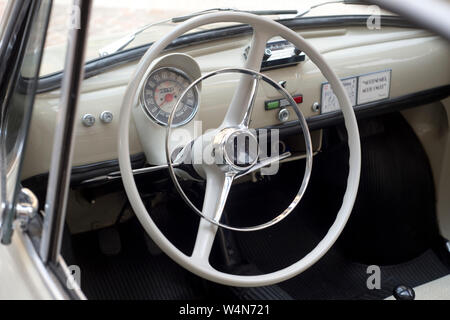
(376, 66)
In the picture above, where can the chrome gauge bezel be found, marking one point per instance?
(145, 107)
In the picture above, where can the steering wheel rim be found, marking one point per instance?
(264, 29)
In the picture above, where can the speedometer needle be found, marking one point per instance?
(167, 98)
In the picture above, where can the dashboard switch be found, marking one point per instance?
(281, 103)
(272, 105)
(298, 99)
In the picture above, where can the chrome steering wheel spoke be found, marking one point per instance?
(264, 163)
(218, 185)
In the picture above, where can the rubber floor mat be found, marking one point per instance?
(133, 273)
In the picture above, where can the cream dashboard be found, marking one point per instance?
(378, 68)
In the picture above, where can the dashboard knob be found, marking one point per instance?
(106, 116)
(88, 120)
(267, 54)
(283, 115)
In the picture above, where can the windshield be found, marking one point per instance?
(113, 23)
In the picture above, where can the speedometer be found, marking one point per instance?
(162, 89)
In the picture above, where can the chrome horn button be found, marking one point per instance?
(240, 149)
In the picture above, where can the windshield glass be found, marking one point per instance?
(114, 22)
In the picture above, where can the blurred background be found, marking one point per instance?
(122, 16)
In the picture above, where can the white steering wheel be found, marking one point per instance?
(218, 177)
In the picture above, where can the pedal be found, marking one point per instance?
(109, 241)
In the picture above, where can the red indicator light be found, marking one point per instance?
(298, 99)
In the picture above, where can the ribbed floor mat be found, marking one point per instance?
(334, 276)
(393, 223)
(133, 273)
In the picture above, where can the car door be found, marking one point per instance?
(22, 35)
(23, 30)
(30, 262)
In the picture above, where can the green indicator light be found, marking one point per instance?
(272, 105)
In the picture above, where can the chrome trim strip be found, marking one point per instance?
(61, 161)
(117, 175)
(51, 282)
(77, 290)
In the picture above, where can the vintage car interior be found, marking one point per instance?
(335, 195)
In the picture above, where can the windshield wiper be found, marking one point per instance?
(257, 12)
(120, 44)
(327, 3)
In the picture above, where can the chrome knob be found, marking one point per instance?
(88, 120)
(106, 116)
(315, 107)
(267, 54)
(283, 115)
